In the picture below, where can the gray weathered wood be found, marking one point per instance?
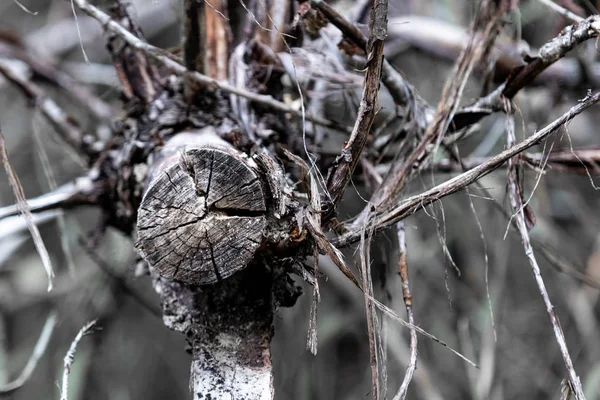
(203, 215)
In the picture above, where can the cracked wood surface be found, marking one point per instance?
(203, 215)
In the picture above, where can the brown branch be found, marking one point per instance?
(372, 322)
(205, 41)
(340, 173)
(403, 272)
(551, 52)
(171, 63)
(139, 79)
(459, 182)
(401, 91)
(484, 31)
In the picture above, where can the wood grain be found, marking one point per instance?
(202, 217)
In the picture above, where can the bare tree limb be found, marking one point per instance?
(23, 207)
(339, 175)
(518, 208)
(411, 205)
(170, 62)
(70, 356)
(403, 272)
(84, 191)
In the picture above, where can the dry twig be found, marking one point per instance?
(519, 208)
(24, 209)
(413, 204)
(70, 356)
(38, 352)
(403, 272)
(340, 174)
(170, 63)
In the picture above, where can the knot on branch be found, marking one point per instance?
(202, 217)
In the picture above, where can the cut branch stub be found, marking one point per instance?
(202, 217)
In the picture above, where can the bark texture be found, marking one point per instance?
(229, 328)
(201, 220)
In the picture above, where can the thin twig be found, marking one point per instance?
(171, 64)
(562, 11)
(459, 182)
(23, 207)
(483, 34)
(518, 207)
(83, 191)
(403, 272)
(374, 338)
(70, 356)
(38, 352)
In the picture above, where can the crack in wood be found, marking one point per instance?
(202, 217)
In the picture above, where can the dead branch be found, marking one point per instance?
(70, 356)
(84, 191)
(38, 352)
(341, 172)
(139, 79)
(170, 63)
(406, 294)
(23, 207)
(524, 223)
(411, 205)
(205, 40)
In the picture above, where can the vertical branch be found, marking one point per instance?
(25, 210)
(516, 202)
(194, 49)
(139, 78)
(205, 40)
(403, 271)
(372, 322)
(340, 173)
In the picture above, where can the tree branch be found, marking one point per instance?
(340, 173)
(171, 63)
(411, 205)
